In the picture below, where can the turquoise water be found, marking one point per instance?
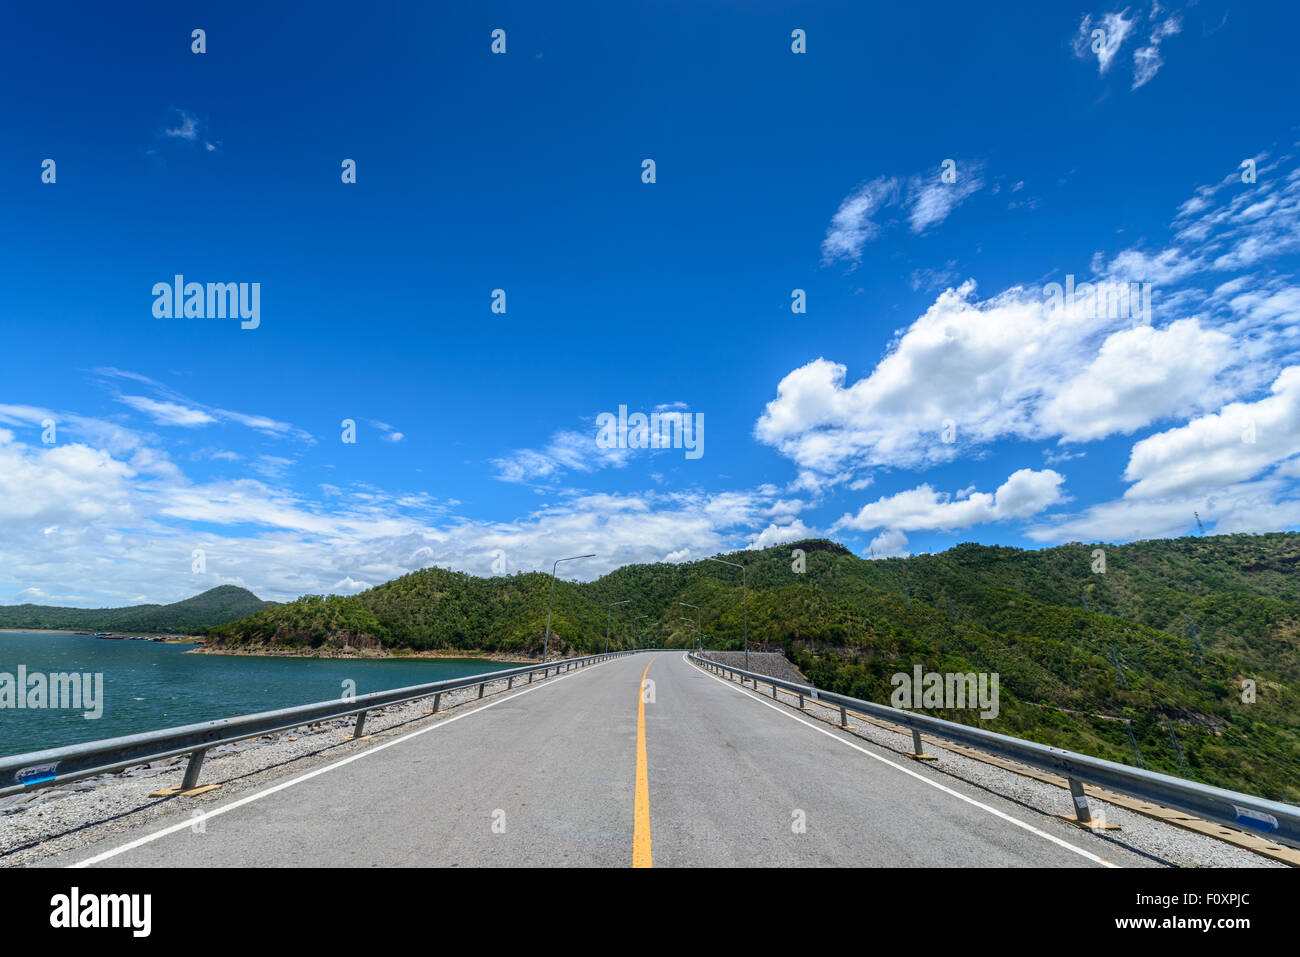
(149, 685)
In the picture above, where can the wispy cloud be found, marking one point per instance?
(1102, 38)
(926, 199)
(852, 226)
(387, 433)
(168, 413)
(173, 409)
(932, 200)
(188, 128)
(1147, 60)
(568, 450)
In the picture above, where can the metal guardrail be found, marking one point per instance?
(38, 769)
(1281, 822)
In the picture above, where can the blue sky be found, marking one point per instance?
(1114, 159)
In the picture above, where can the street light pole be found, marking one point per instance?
(639, 617)
(608, 612)
(699, 621)
(744, 575)
(691, 622)
(547, 642)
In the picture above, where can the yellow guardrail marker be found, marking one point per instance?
(641, 814)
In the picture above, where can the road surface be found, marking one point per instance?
(589, 769)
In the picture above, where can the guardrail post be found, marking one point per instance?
(510, 682)
(480, 688)
(1080, 802)
(192, 770)
(844, 717)
(437, 699)
(361, 725)
(773, 690)
(918, 751)
(530, 677)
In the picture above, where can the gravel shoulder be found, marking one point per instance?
(760, 662)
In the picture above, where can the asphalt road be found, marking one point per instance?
(549, 776)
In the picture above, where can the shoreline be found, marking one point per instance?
(359, 654)
(384, 654)
(170, 638)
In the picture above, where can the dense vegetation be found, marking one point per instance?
(1142, 663)
(193, 616)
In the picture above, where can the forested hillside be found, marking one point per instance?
(1144, 662)
(193, 616)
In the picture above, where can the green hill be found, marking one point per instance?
(193, 616)
(1143, 663)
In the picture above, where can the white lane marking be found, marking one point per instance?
(908, 771)
(257, 795)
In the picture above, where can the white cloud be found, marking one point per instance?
(168, 413)
(928, 199)
(1252, 507)
(222, 455)
(350, 586)
(934, 279)
(1014, 367)
(1115, 29)
(64, 485)
(72, 513)
(890, 543)
(775, 534)
(568, 450)
(1138, 376)
(1147, 60)
(272, 466)
(572, 451)
(1234, 469)
(387, 433)
(173, 409)
(852, 227)
(1224, 448)
(932, 200)
(1024, 494)
(188, 129)
(1005, 367)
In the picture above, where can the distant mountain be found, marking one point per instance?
(193, 616)
(1143, 662)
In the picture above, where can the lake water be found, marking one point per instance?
(150, 685)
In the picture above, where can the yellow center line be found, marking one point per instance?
(641, 814)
